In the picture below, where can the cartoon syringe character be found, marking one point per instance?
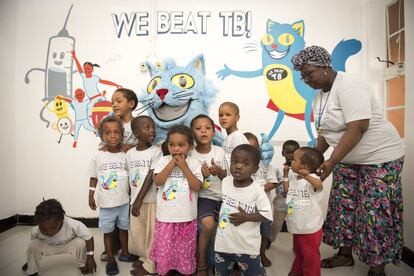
(59, 66)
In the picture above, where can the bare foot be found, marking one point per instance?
(140, 271)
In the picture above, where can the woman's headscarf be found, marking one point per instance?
(313, 55)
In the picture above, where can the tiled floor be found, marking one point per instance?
(14, 241)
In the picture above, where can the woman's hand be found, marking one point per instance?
(325, 169)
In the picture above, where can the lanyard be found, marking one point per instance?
(321, 110)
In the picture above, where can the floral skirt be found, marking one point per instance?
(174, 247)
(366, 211)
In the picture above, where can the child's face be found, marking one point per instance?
(203, 131)
(228, 117)
(242, 165)
(87, 68)
(50, 227)
(287, 152)
(178, 144)
(120, 105)
(145, 131)
(112, 134)
(253, 143)
(297, 165)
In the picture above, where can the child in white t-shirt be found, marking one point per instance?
(109, 178)
(304, 210)
(179, 179)
(266, 177)
(229, 115)
(58, 234)
(279, 202)
(211, 158)
(141, 161)
(244, 206)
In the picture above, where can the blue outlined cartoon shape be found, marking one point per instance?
(111, 182)
(288, 94)
(59, 66)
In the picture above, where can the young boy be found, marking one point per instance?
(279, 202)
(228, 117)
(266, 177)
(304, 210)
(244, 206)
(58, 234)
(141, 160)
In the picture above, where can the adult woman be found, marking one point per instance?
(365, 205)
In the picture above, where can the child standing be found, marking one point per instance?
(304, 211)
(141, 161)
(211, 158)
(178, 178)
(229, 115)
(58, 234)
(279, 202)
(245, 205)
(109, 177)
(266, 177)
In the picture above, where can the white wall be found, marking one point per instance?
(8, 109)
(44, 168)
(408, 173)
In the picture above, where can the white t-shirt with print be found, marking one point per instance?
(304, 206)
(70, 230)
(211, 187)
(349, 100)
(230, 142)
(245, 238)
(110, 169)
(265, 174)
(139, 164)
(176, 201)
(279, 202)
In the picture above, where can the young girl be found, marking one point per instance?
(141, 161)
(58, 234)
(178, 178)
(211, 159)
(304, 210)
(266, 177)
(109, 177)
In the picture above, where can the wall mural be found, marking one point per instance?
(185, 90)
(288, 94)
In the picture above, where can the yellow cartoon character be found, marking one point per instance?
(206, 184)
(60, 109)
(170, 193)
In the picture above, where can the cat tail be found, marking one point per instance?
(343, 51)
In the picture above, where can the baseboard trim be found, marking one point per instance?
(12, 221)
(408, 256)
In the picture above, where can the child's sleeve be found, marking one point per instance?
(155, 158)
(80, 230)
(196, 169)
(263, 205)
(160, 165)
(92, 172)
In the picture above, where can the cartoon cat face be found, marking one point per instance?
(282, 41)
(176, 94)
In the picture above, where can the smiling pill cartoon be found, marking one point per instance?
(59, 67)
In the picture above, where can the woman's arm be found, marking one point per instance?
(321, 144)
(353, 134)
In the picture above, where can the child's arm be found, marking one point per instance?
(92, 186)
(90, 260)
(242, 217)
(315, 182)
(269, 186)
(285, 179)
(162, 176)
(64, 99)
(145, 187)
(107, 82)
(80, 69)
(193, 181)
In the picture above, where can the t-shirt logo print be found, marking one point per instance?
(111, 182)
(224, 218)
(136, 179)
(170, 193)
(206, 184)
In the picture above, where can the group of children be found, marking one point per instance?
(179, 204)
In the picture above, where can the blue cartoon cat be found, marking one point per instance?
(288, 94)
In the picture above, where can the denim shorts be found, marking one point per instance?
(108, 217)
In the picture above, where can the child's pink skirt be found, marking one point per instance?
(174, 247)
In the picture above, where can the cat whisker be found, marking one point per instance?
(250, 47)
(143, 101)
(142, 111)
(252, 43)
(251, 50)
(183, 95)
(175, 93)
(145, 106)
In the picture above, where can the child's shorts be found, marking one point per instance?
(248, 264)
(108, 217)
(266, 229)
(208, 207)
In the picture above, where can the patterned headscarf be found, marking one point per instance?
(313, 55)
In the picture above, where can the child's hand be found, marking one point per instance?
(180, 161)
(24, 267)
(238, 218)
(135, 208)
(304, 172)
(92, 203)
(104, 148)
(213, 167)
(205, 170)
(90, 264)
